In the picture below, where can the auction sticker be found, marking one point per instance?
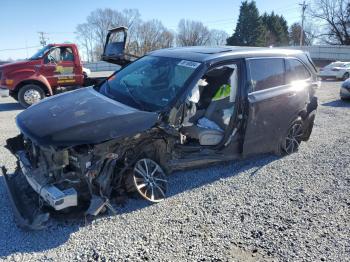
(189, 64)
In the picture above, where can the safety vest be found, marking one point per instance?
(223, 92)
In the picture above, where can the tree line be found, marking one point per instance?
(328, 21)
(143, 36)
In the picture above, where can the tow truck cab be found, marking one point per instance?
(51, 67)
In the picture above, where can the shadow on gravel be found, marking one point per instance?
(10, 106)
(338, 103)
(183, 181)
(14, 240)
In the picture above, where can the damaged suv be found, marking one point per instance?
(171, 109)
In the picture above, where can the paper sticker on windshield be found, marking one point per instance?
(188, 64)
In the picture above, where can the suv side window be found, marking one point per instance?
(266, 73)
(296, 71)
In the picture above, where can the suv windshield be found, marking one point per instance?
(40, 53)
(149, 83)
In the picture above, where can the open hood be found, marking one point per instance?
(81, 117)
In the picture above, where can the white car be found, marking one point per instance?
(336, 70)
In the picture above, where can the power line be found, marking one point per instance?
(20, 48)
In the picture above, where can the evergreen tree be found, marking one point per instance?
(276, 29)
(250, 30)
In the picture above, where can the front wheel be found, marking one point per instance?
(291, 142)
(150, 180)
(30, 94)
(346, 76)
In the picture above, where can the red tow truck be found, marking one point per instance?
(51, 70)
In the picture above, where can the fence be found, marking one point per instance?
(326, 52)
(101, 66)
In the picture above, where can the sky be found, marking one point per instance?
(21, 20)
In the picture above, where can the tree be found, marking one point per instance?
(294, 35)
(217, 37)
(250, 30)
(92, 34)
(276, 29)
(151, 35)
(85, 37)
(192, 33)
(336, 15)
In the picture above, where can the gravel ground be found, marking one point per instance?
(266, 208)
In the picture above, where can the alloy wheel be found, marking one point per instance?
(293, 138)
(150, 180)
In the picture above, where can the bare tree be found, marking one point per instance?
(218, 37)
(192, 33)
(150, 35)
(92, 34)
(86, 38)
(336, 15)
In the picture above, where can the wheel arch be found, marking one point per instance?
(47, 89)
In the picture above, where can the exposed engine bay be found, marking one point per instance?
(85, 178)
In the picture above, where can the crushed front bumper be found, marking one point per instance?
(26, 194)
(24, 201)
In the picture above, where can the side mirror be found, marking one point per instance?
(114, 49)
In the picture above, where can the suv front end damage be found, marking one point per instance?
(80, 178)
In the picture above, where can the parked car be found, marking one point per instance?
(171, 109)
(345, 89)
(51, 70)
(336, 70)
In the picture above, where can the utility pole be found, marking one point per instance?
(303, 8)
(42, 38)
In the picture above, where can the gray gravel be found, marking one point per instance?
(266, 208)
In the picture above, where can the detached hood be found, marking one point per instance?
(80, 117)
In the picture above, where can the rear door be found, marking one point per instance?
(273, 103)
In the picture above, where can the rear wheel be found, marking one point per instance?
(291, 142)
(30, 94)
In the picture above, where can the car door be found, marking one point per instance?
(59, 67)
(272, 104)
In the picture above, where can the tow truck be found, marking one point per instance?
(53, 69)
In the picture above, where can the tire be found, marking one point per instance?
(30, 94)
(291, 141)
(346, 76)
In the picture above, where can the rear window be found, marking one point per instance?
(296, 71)
(266, 73)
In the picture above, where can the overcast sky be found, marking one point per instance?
(21, 20)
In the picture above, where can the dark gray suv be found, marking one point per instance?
(171, 109)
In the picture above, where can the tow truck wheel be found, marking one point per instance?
(30, 94)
